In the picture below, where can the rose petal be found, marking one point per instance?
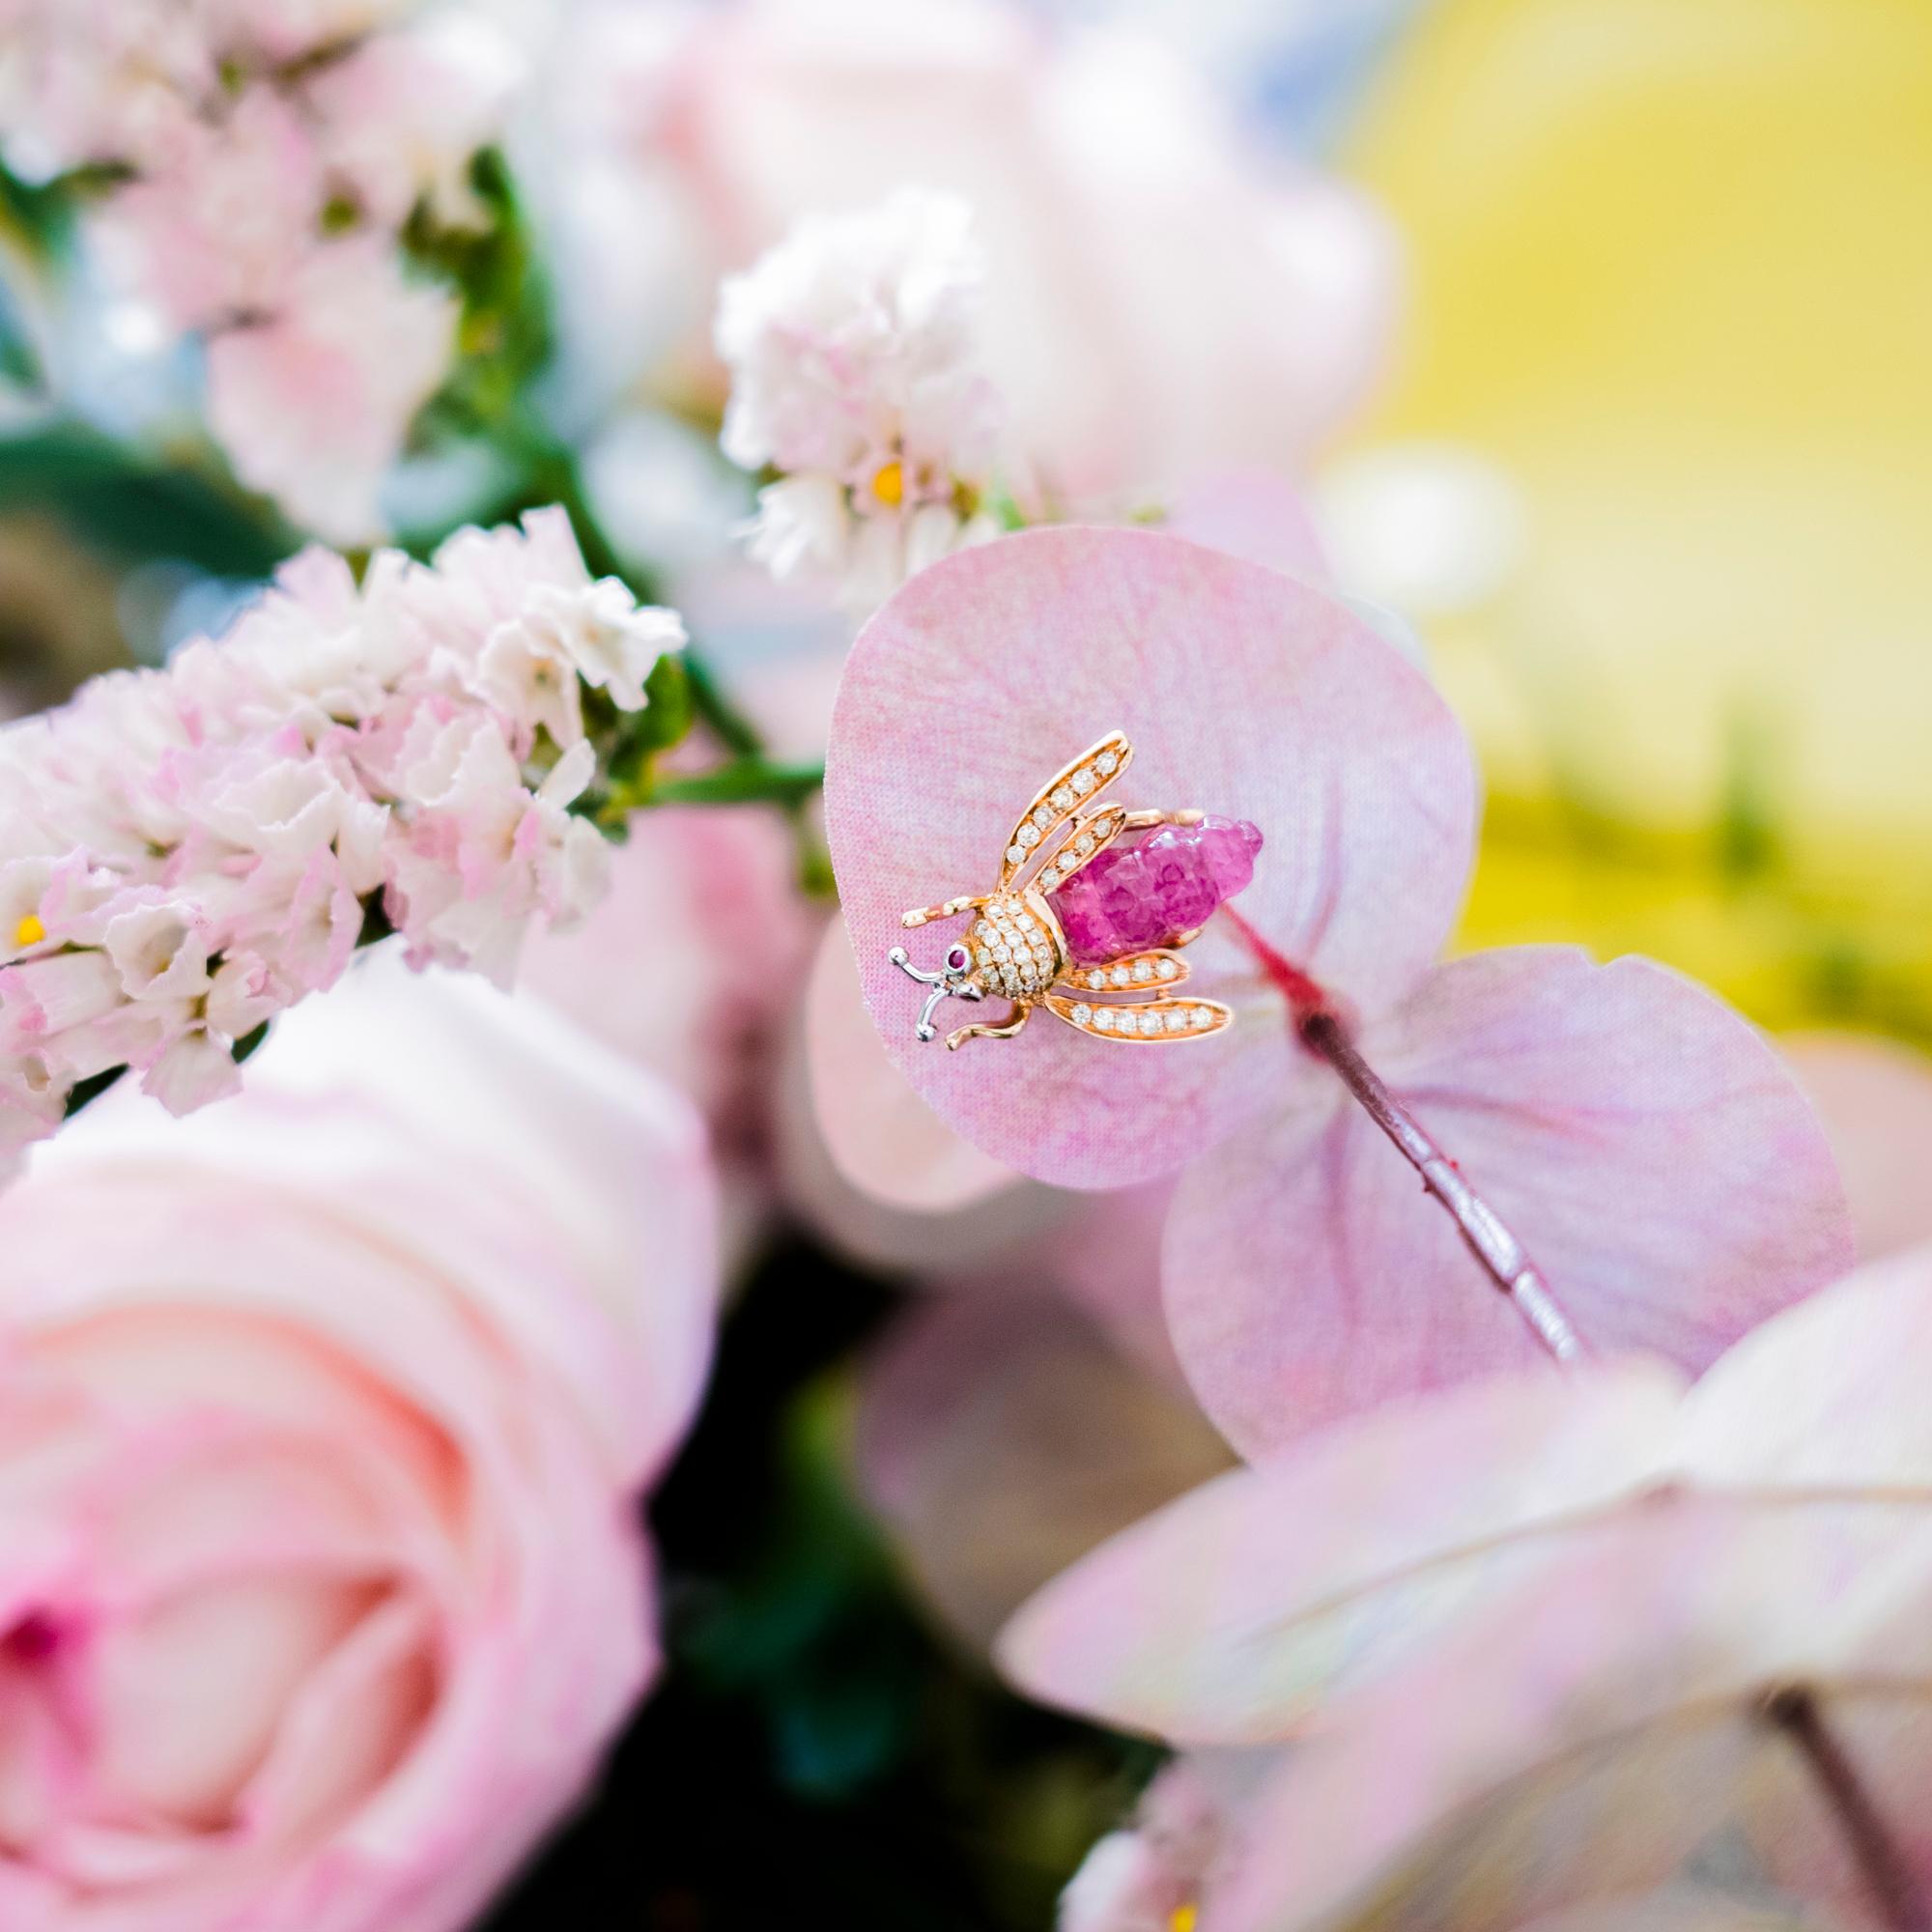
(1002, 1436)
(1648, 1147)
(1231, 1614)
(1244, 693)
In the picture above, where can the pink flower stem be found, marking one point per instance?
(1885, 1868)
(1484, 1231)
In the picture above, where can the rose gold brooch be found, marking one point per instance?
(1087, 924)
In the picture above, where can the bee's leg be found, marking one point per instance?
(1014, 1021)
(951, 909)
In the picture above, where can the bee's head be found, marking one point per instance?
(953, 981)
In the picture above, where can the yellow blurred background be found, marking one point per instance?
(1673, 266)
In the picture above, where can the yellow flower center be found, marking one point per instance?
(30, 931)
(1182, 1918)
(888, 484)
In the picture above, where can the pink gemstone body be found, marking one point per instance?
(1134, 896)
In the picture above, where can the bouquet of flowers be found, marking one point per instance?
(742, 1097)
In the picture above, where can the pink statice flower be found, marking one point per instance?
(274, 156)
(313, 400)
(856, 375)
(1306, 1269)
(187, 852)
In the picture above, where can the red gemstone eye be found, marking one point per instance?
(957, 959)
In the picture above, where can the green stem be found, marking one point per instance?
(746, 780)
(555, 472)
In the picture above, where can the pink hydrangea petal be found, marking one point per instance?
(1002, 1436)
(1876, 1097)
(1689, 1908)
(1585, 1741)
(1244, 693)
(1829, 1394)
(882, 1137)
(1647, 1145)
(1228, 1616)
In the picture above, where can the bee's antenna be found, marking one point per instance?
(949, 983)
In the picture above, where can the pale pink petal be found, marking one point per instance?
(1649, 1148)
(1231, 1615)
(1256, 514)
(1002, 1436)
(1590, 1738)
(1876, 1097)
(1684, 1910)
(1829, 1394)
(882, 1137)
(1244, 693)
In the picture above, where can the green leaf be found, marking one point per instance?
(135, 507)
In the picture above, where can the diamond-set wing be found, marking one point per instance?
(1065, 794)
(1086, 839)
(1144, 1022)
(1131, 973)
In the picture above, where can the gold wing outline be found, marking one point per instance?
(1071, 788)
(1143, 1022)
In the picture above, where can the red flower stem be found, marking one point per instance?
(1484, 1231)
(1885, 1868)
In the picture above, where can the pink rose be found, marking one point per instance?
(324, 1418)
(1135, 250)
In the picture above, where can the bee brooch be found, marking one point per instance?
(1086, 923)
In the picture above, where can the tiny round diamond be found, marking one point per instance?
(1142, 971)
(985, 956)
(1176, 1021)
(1063, 798)
(1027, 922)
(1050, 876)
(1107, 762)
(1029, 835)
(1105, 1020)
(1083, 782)
(1002, 952)
(1120, 976)
(1081, 1014)
(1044, 816)
(1084, 844)
(984, 931)
(1015, 854)
(1096, 980)
(1202, 1016)
(1167, 969)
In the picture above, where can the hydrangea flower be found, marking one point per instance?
(1239, 1614)
(853, 357)
(1572, 1598)
(1307, 1275)
(185, 852)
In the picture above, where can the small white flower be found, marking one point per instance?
(854, 352)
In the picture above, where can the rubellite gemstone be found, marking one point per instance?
(1143, 895)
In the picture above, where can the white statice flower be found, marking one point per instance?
(856, 373)
(185, 852)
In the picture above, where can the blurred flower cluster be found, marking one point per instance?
(631, 554)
